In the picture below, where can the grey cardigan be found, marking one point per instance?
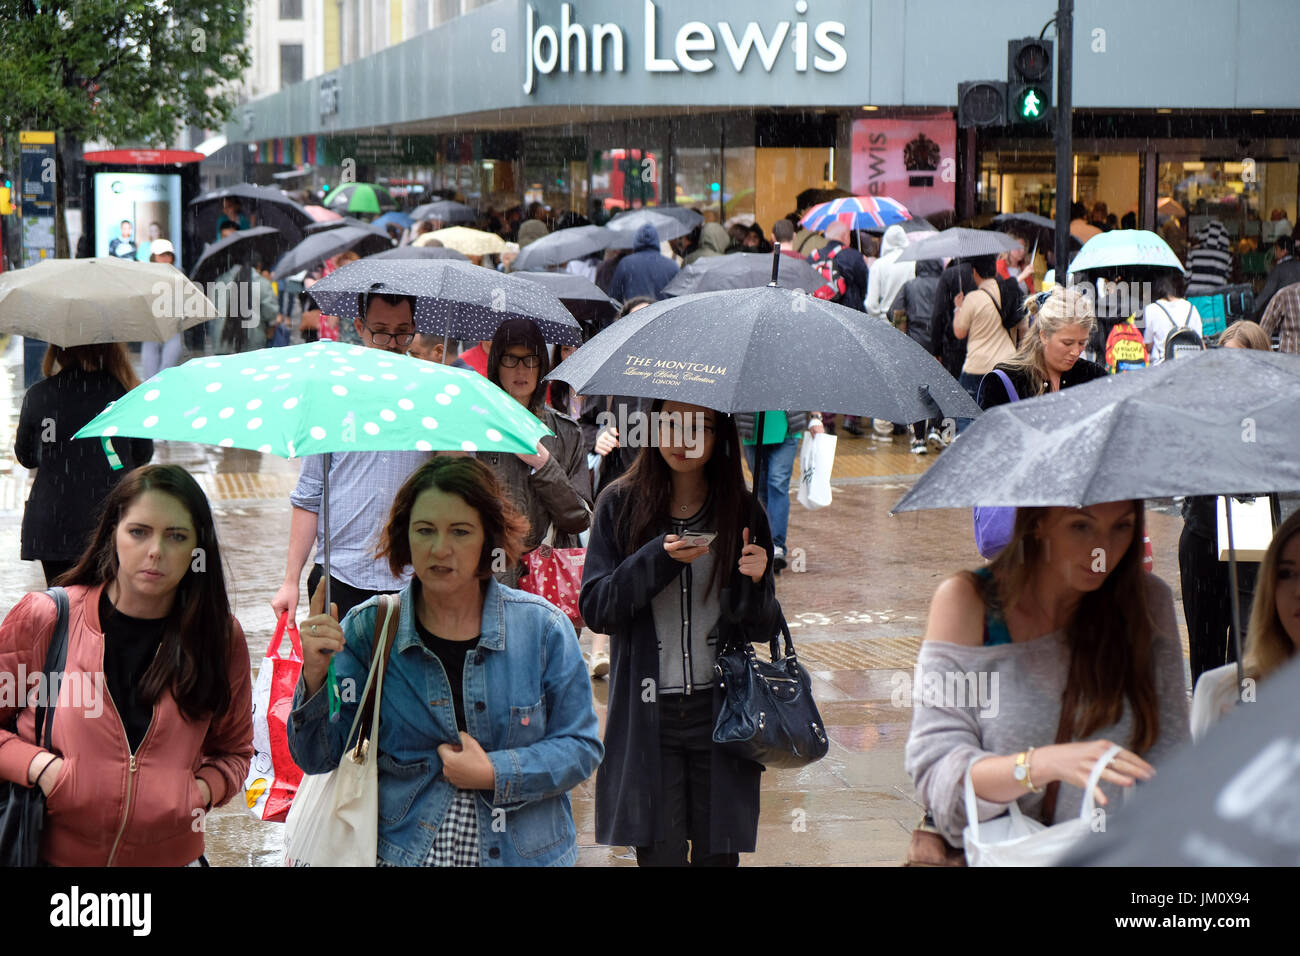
(1022, 710)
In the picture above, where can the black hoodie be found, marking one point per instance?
(916, 298)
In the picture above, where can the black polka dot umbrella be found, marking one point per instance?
(454, 299)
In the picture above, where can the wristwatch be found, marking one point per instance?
(1021, 770)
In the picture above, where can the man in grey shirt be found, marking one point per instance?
(362, 488)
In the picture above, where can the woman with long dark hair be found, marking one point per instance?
(161, 729)
(1076, 646)
(679, 559)
(550, 488)
(72, 477)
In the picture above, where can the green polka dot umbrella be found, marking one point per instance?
(321, 397)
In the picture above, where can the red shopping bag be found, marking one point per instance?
(273, 777)
(556, 574)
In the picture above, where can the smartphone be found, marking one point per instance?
(699, 539)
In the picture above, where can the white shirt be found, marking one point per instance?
(1163, 317)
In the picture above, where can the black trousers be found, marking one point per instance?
(685, 757)
(344, 595)
(1207, 602)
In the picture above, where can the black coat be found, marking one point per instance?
(916, 299)
(73, 477)
(944, 345)
(992, 392)
(617, 590)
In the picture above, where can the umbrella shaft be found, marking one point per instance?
(325, 519)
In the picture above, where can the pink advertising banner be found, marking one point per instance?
(913, 161)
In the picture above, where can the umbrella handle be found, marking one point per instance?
(1235, 623)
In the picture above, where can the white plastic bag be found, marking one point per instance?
(816, 458)
(1017, 840)
(334, 819)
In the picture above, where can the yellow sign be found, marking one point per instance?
(36, 137)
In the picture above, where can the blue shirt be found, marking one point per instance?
(363, 486)
(527, 701)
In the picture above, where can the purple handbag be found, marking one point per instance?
(993, 525)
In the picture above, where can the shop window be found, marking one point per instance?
(290, 63)
(290, 9)
(698, 174)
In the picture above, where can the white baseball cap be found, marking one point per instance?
(160, 246)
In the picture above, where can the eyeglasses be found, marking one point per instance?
(530, 361)
(384, 338)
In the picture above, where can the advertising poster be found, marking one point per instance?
(134, 209)
(912, 161)
(38, 185)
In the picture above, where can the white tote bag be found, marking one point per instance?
(816, 458)
(1017, 840)
(334, 820)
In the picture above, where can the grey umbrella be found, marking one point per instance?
(582, 297)
(743, 270)
(559, 247)
(912, 227)
(1229, 800)
(239, 248)
(957, 243)
(446, 210)
(749, 349)
(421, 252)
(686, 216)
(453, 299)
(328, 225)
(314, 250)
(624, 227)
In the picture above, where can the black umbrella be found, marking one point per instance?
(1229, 800)
(743, 270)
(683, 214)
(447, 211)
(1039, 228)
(1222, 422)
(345, 222)
(625, 225)
(582, 297)
(749, 349)
(559, 247)
(239, 248)
(271, 207)
(315, 249)
(453, 299)
(421, 252)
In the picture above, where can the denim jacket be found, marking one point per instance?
(527, 702)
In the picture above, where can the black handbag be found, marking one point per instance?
(22, 809)
(768, 713)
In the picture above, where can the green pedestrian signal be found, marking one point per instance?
(1030, 105)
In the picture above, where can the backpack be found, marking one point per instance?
(1183, 340)
(1125, 347)
(834, 284)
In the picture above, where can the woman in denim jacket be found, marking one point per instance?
(486, 718)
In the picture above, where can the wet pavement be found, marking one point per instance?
(856, 611)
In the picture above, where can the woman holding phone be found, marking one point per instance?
(677, 542)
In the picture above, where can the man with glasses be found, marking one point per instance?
(362, 488)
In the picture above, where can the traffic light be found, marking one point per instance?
(981, 103)
(1029, 81)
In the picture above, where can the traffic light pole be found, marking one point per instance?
(1064, 134)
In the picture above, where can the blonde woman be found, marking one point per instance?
(1049, 355)
(1274, 633)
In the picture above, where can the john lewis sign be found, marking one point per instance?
(794, 45)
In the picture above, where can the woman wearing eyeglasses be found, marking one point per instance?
(551, 488)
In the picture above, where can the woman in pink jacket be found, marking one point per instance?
(153, 725)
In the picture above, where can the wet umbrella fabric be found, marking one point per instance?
(1222, 422)
(856, 212)
(624, 227)
(321, 397)
(912, 227)
(958, 243)
(1229, 800)
(683, 214)
(456, 299)
(559, 247)
(420, 252)
(471, 242)
(1125, 247)
(445, 210)
(340, 222)
(69, 302)
(399, 219)
(360, 197)
(315, 249)
(239, 247)
(748, 349)
(273, 208)
(582, 297)
(743, 270)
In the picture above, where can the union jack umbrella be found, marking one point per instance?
(856, 212)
